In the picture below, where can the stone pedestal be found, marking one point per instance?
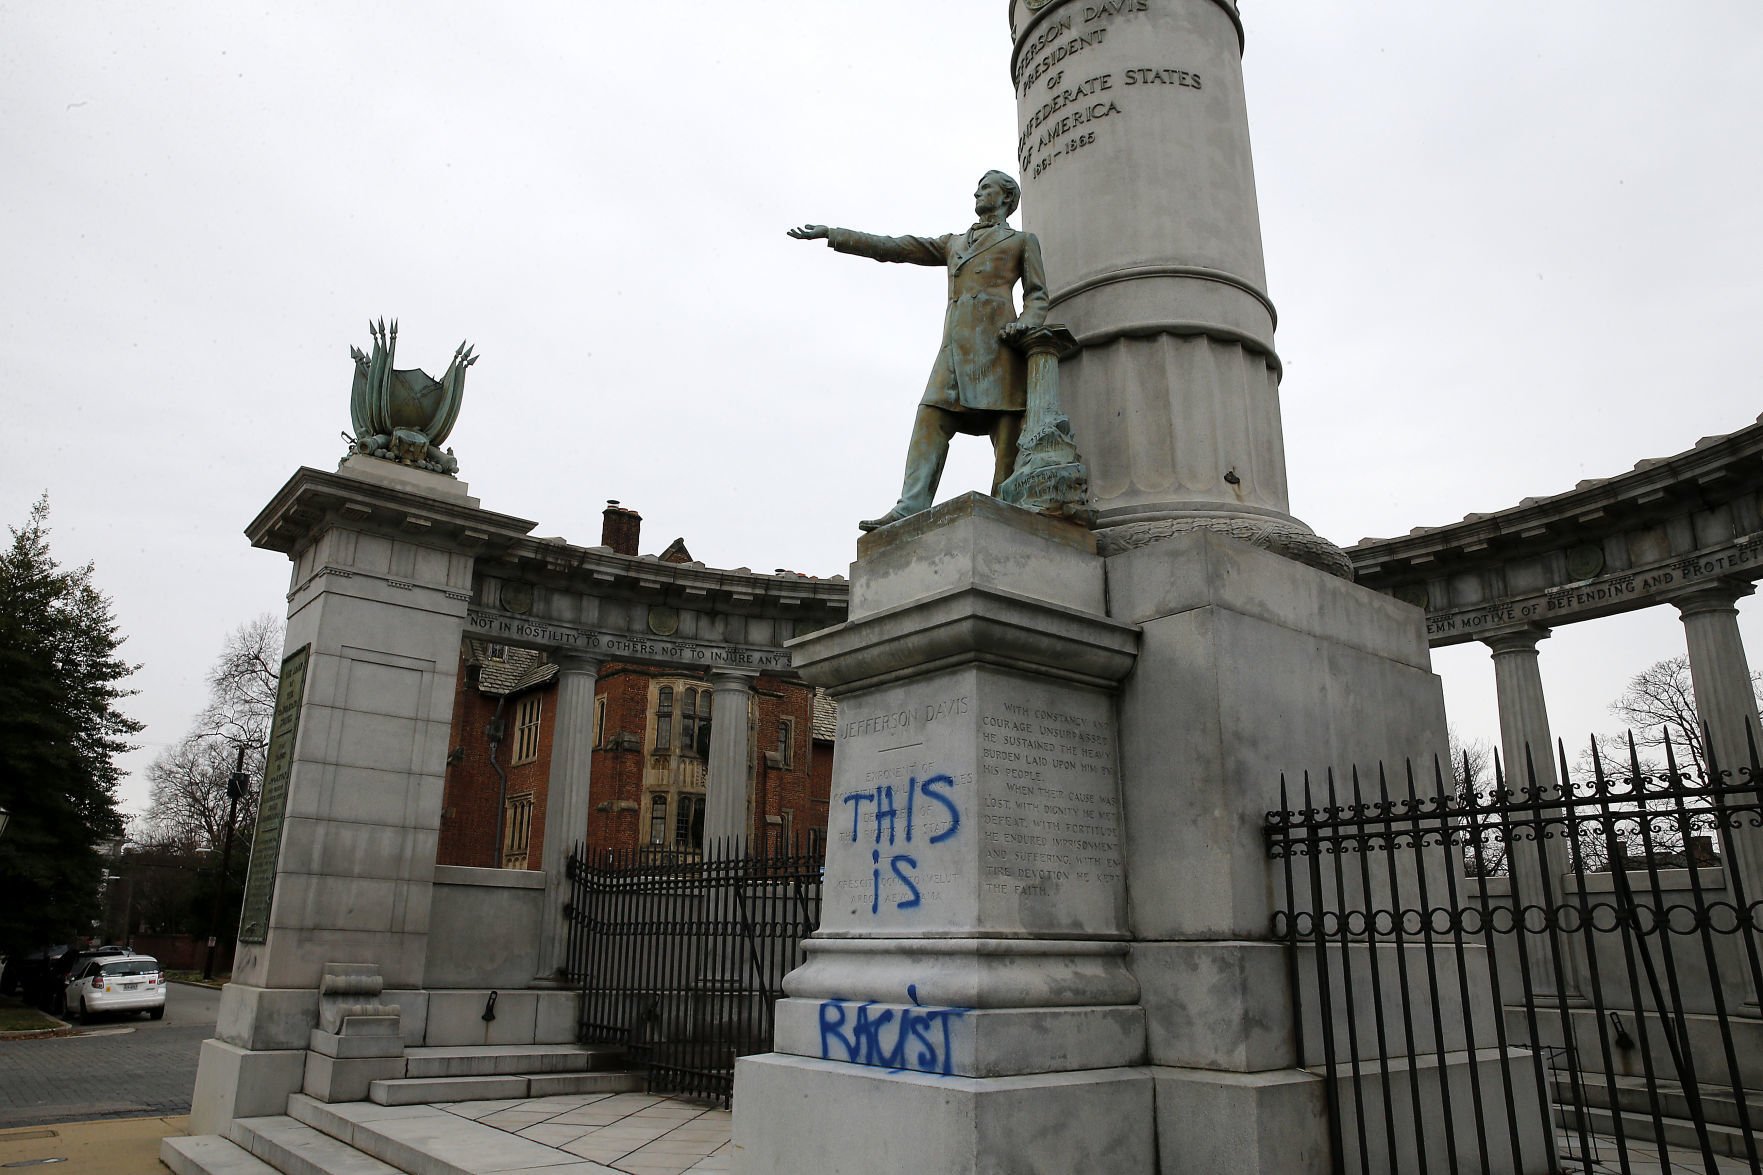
(343, 859)
(971, 970)
(1250, 666)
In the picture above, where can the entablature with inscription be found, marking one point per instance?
(546, 593)
(1606, 546)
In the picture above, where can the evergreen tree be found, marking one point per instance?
(60, 733)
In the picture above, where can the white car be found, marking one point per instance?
(117, 983)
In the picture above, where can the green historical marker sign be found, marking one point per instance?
(272, 803)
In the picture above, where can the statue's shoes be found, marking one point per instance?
(888, 519)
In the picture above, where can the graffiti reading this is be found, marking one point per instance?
(926, 800)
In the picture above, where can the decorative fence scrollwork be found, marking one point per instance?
(1550, 976)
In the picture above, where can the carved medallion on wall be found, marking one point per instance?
(663, 621)
(517, 598)
(1584, 561)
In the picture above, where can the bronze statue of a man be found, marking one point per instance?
(978, 384)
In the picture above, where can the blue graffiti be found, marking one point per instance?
(889, 1036)
(900, 824)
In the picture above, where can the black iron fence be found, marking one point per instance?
(1557, 976)
(680, 955)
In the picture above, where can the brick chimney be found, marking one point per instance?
(620, 528)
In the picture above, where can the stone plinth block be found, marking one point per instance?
(976, 541)
(848, 1120)
(234, 1082)
(960, 1042)
(1251, 666)
(966, 1005)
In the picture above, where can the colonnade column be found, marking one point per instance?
(1725, 703)
(1539, 868)
(566, 803)
(725, 806)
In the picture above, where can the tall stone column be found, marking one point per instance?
(1539, 867)
(1724, 702)
(567, 802)
(343, 857)
(727, 783)
(1134, 153)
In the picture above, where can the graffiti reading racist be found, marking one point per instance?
(887, 1036)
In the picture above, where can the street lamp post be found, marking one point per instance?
(235, 788)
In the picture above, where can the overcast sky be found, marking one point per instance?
(1511, 248)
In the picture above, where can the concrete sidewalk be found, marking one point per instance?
(118, 1146)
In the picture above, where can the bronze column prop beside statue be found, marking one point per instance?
(978, 384)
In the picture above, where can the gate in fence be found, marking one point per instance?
(680, 956)
(1531, 979)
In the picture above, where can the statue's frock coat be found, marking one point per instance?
(973, 370)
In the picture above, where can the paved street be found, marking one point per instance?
(115, 1068)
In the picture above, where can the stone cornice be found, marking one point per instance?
(603, 572)
(1606, 546)
(313, 500)
(1713, 471)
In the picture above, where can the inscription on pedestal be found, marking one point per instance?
(1057, 818)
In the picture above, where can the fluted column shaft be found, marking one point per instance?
(1538, 867)
(566, 803)
(1725, 703)
(726, 787)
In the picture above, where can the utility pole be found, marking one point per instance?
(235, 788)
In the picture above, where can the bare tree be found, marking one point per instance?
(1659, 704)
(1472, 773)
(189, 802)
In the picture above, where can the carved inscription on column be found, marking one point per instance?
(1055, 821)
(1073, 89)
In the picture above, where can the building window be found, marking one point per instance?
(688, 721)
(658, 820)
(664, 719)
(703, 747)
(599, 722)
(517, 831)
(526, 729)
(688, 824)
(786, 742)
(497, 653)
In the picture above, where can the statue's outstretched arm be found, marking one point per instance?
(809, 232)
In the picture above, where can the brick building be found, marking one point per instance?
(650, 750)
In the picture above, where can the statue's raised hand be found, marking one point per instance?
(809, 232)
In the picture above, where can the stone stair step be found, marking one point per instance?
(422, 1140)
(1680, 1133)
(209, 1154)
(1717, 1103)
(499, 1060)
(602, 1081)
(295, 1148)
(420, 1091)
(416, 1091)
